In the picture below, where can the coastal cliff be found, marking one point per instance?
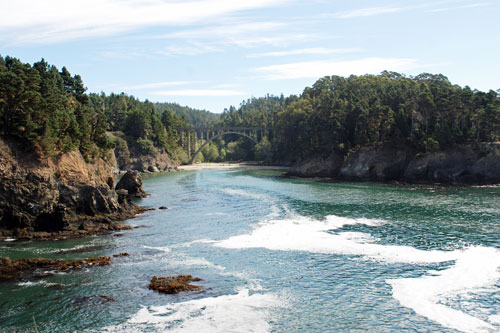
(466, 164)
(62, 196)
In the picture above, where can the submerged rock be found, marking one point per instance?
(101, 299)
(132, 183)
(174, 284)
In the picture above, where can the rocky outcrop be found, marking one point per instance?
(377, 163)
(131, 182)
(150, 163)
(55, 195)
(467, 164)
(317, 167)
(174, 284)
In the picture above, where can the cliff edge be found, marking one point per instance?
(465, 164)
(57, 197)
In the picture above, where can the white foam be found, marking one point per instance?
(305, 234)
(195, 262)
(495, 319)
(9, 239)
(243, 193)
(229, 313)
(165, 249)
(475, 269)
(35, 283)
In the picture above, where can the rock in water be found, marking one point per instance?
(13, 269)
(174, 284)
(132, 182)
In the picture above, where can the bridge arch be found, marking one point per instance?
(225, 133)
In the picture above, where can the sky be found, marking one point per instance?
(211, 54)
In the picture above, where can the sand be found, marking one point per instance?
(230, 166)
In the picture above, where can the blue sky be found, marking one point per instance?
(213, 54)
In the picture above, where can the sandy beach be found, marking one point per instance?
(230, 166)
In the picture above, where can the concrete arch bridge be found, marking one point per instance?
(196, 138)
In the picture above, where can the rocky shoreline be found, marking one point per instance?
(63, 196)
(466, 164)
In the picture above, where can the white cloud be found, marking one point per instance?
(475, 5)
(191, 49)
(224, 30)
(49, 21)
(316, 69)
(201, 93)
(469, 6)
(245, 35)
(308, 51)
(364, 12)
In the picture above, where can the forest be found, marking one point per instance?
(49, 111)
(337, 114)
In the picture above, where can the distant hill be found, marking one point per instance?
(192, 116)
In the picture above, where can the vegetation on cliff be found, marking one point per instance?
(48, 111)
(426, 112)
(139, 127)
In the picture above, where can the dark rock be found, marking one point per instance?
(124, 254)
(51, 222)
(111, 182)
(465, 164)
(132, 182)
(317, 167)
(174, 284)
(377, 163)
(163, 207)
(94, 300)
(50, 199)
(107, 299)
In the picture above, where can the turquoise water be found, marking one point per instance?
(278, 255)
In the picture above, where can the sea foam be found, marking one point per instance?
(474, 269)
(300, 233)
(242, 312)
(477, 268)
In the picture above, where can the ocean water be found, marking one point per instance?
(278, 255)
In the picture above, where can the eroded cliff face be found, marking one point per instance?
(377, 163)
(144, 163)
(57, 194)
(318, 166)
(479, 164)
(466, 164)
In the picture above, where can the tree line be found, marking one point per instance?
(338, 114)
(48, 111)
